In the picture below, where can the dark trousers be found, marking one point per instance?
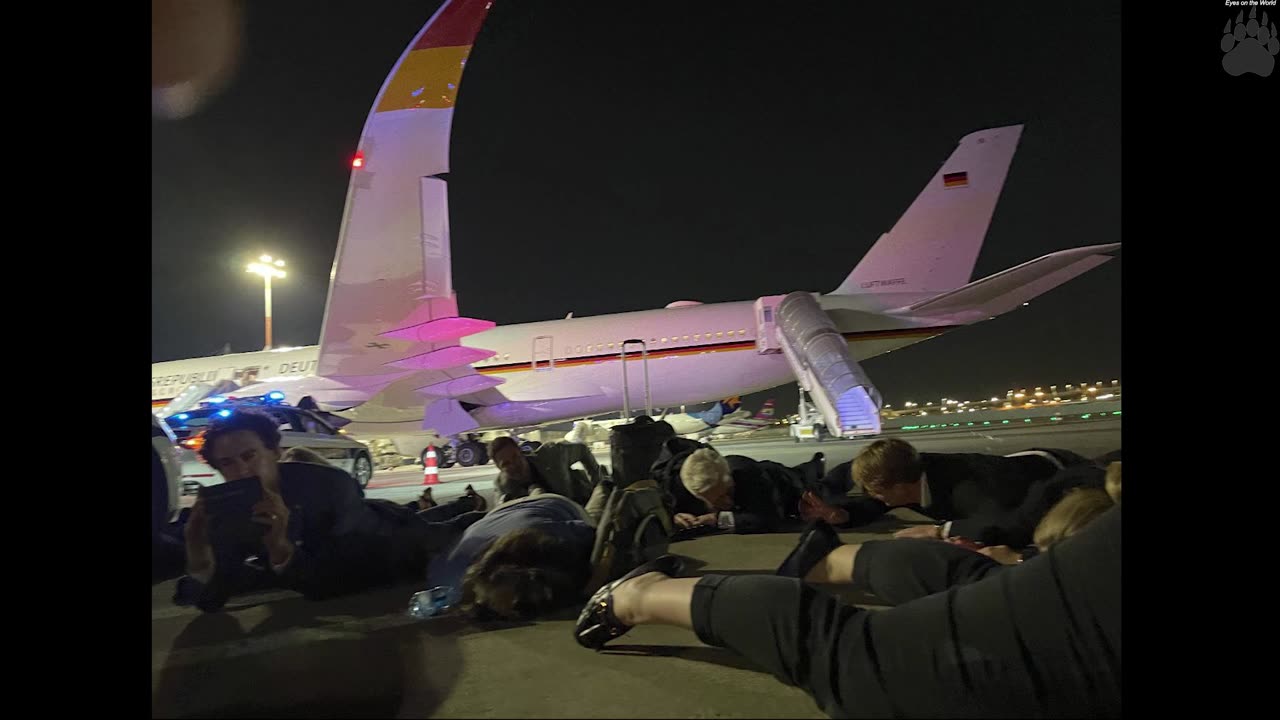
(429, 533)
(906, 569)
(1041, 639)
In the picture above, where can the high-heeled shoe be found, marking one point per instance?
(597, 624)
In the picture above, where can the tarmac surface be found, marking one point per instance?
(278, 655)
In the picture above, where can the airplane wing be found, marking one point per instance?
(1006, 290)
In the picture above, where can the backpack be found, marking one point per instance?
(635, 527)
(634, 447)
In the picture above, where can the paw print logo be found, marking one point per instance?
(1249, 47)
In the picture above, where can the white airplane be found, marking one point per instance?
(397, 360)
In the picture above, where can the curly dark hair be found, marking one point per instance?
(524, 574)
(259, 423)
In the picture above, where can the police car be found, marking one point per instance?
(298, 428)
(166, 474)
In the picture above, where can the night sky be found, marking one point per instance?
(611, 157)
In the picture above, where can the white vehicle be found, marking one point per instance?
(397, 358)
(298, 428)
(166, 474)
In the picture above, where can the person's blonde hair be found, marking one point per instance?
(1113, 481)
(303, 455)
(886, 462)
(1075, 510)
(704, 470)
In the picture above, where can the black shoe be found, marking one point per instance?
(820, 461)
(816, 542)
(480, 504)
(597, 624)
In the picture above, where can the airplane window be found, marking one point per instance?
(742, 332)
(719, 334)
(610, 346)
(697, 337)
(579, 349)
(664, 339)
(686, 337)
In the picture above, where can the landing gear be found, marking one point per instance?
(445, 456)
(471, 452)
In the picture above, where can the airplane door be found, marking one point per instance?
(543, 359)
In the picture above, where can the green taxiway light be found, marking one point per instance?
(1004, 422)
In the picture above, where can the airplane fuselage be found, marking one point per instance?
(694, 354)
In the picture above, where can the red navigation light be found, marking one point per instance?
(358, 161)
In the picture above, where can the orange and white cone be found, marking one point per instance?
(430, 471)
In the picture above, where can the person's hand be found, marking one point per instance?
(196, 535)
(1002, 554)
(931, 532)
(272, 512)
(709, 520)
(684, 521)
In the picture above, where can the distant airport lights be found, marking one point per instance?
(267, 267)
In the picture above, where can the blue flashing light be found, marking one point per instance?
(276, 395)
(183, 416)
(224, 413)
(216, 399)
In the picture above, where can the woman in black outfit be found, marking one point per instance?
(1039, 639)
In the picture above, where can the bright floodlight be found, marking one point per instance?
(267, 269)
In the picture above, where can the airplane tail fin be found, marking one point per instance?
(934, 245)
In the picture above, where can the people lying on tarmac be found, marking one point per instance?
(734, 493)
(989, 498)
(529, 556)
(427, 500)
(899, 571)
(1039, 639)
(310, 530)
(550, 468)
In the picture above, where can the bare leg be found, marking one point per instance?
(655, 599)
(836, 567)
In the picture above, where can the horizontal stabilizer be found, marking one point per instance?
(1006, 290)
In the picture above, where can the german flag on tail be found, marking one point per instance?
(955, 180)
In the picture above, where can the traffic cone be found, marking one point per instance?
(430, 472)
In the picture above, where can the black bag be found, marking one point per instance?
(634, 447)
(635, 527)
